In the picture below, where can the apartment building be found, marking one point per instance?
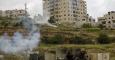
(67, 11)
(108, 20)
(12, 13)
(92, 21)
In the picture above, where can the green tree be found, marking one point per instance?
(101, 26)
(57, 39)
(45, 40)
(78, 40)
(52, 20)
(103, 39)
(81, 40)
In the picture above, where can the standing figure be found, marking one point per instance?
(69, 56)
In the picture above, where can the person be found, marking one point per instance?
(80, 55)
(69, 56)
(77, 53)
(83, 55)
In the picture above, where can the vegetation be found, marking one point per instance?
(101, 26)
(86, 25)
(84, 36)
(103, 39)
(93, 30)
(80, 40)
(52, 20)
(57, 39)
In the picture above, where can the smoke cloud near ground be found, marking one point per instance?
(19, 43)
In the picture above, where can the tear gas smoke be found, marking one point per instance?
(19, 43)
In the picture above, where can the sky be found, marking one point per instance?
(95, 8)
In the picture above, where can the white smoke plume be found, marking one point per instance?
(43, 20)
(19, 43)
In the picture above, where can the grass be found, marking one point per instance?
(78, 46)
(93, 30)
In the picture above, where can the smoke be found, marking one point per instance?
(19, 43)
(43, 20)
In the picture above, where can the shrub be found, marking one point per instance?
(101, 26)
(112, 39)
(81, 40)
(57, 39)
(103, 39)
(45, 40)
(92, 30)
(87, 25)
(52, 20)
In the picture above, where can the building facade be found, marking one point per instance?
(92, 21)
(67, 11)
(108, 20)
(12, 13)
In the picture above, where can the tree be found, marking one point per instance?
(57, 39)
(103, 39)
(45, 40)
(81, 40)
(52, 20)
(101, 26)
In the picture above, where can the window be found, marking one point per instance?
(109, 13)
(112, 17)
(73, 11)
(83, 19)
(109, 22)
(113, 21)
(104, 22)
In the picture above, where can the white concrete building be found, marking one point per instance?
(67, 11)
(92, 21)
(12, 13)
(108, 20)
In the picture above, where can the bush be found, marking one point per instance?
(87, 25)
(57, 39)
(112, 39)
(45, 40)
(101, 26)
(93, 30)
(52, 20)
(103, 39)
(81, 40)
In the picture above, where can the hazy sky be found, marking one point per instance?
(95, 7)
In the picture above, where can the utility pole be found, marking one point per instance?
(25, 9)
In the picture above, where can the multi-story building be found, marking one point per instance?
(108, 20)
(67, 11)
(12, 13)
(92, 21)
